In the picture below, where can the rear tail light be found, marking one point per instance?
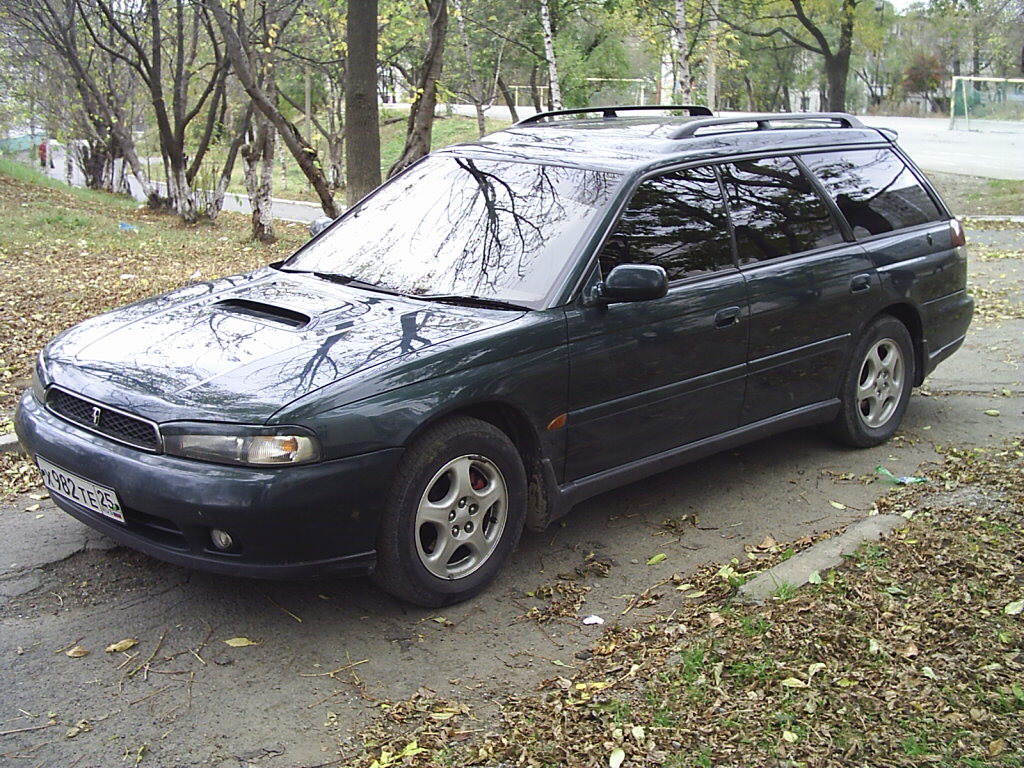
(956, 233)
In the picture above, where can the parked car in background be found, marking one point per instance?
(503, 330)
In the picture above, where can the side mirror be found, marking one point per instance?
(318, 225)
(632, 282)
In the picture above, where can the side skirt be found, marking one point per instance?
(562, 498)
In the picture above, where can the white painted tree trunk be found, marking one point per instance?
(682, 85)
(549, 52)
(183, 201)
(258, 173)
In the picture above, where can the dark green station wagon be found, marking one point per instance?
(508, 328)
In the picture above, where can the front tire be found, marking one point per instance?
(454, 514)
(876, 388)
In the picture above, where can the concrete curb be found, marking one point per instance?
(820, 557)
(9, 444)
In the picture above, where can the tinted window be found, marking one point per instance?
(775, 209)
(465, 226)
(874, 189)
(676, 221)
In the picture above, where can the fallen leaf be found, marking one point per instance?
(122, 645)
(789, 737)
(715, 619)
(997, 747)
(658, 558)
(1015, 608)
(240, 642)
(638, 733)
(992, 412)
(77, 652)
(605, 649)
(837, 504)
(794, 682)
(814, 577)
(616, 758)
(768, 542)
(80, 727)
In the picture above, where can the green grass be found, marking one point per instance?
(31, 175)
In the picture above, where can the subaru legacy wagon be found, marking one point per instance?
(503, 330)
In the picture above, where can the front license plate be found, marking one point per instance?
(90, 495)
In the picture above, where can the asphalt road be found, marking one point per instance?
(327, 654)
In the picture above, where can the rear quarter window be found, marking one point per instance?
(874, 189)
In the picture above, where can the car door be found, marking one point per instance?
(647, 377)
(807, 286)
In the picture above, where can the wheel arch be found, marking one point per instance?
(911, 319)
(518, 427)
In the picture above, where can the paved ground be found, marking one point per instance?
(284, 703)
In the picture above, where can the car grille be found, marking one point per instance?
(103, 420)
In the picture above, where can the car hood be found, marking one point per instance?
(241, 348)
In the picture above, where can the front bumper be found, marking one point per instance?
(287, 522)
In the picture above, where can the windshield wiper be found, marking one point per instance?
(355, 282)
(472, 301)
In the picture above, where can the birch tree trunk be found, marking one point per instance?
(681, 88)
(475, 91)
(711, 61)
(549, 52)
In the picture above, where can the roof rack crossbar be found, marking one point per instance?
(693, 110)
(764, 122)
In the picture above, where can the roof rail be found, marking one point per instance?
(764, 122)
(693, 110)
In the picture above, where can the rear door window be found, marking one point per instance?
(775, 209)
(874, 189)
(676, 221)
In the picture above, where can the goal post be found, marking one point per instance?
(997, 99)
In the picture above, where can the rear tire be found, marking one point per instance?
(454, 514)
(876, 388)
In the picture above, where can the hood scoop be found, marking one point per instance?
(258, 310)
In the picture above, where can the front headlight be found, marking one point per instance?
(239, 444)
(39, 380)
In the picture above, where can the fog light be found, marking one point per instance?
(221, 539)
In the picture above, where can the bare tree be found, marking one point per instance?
(421, 111)
(96, 77)
(827, 33)
(159, 56)
(236, 34)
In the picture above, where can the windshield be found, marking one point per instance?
(462, 226)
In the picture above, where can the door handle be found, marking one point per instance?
(726, 317)
(860, 283)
